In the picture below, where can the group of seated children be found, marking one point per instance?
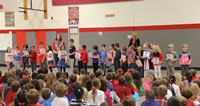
(173, 90)
(20, 88)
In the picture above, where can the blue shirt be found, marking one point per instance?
(71, 96)
(150, 102)
(45, 103)
(17, 58)
(110, 86)
(103, 56)
(71, 50)
(185, 54)
(24, 59)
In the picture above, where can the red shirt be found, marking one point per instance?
(195, 78)
(111, 53)
(162, 101)
(1, 80)
(131, 90)
(84, 57)
(115, 83)
(10, 97)
(42, 56)
(121, 92)
(33, 57)
(190, 102)
(70, 89)
(56, 44)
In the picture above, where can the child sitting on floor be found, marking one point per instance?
(150, 96)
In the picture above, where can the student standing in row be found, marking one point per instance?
(103, 57)
(131, 58)
(170, 58)
(84, 57)
(157, 58)
(62, 53)
(147, 56)
(25, 56)
(33, 58)
(55, 45)
(139, 61)
(95, 58)
(78, 56)
(124, 60)
(110, 57)
(50, 61)
(9, 58)
(42, 55)
(117, 57)
(17, 57)
(185, 59)
(72, 51)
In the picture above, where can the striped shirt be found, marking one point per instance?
(75, 102)
(162, 101)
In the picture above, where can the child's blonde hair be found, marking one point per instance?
(195, 90)
(51, 78)
(131, 47)
(139, 47)
(185, 45)
(134, 35)
(61, 90)
(156, 48)
(178, 78)
(182, 100)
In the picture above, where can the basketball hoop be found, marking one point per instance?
(1, 6)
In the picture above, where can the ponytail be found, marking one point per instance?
(96, 84)
(94, 94)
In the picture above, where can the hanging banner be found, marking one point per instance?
(9, 19)
(73, 15)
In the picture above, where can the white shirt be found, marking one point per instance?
(9, 57)
(169, 94)
(60, 101)
(100, 98)
(50, 53)
(62, 54)
(176, 89)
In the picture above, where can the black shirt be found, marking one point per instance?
(117, 55)
(71, 50)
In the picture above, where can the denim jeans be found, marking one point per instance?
(25, 65)
(103, 67)
(33, 66)
(80, 65)
(184, 69)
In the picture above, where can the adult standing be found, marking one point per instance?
(56, 45)
(134, 40)
(72, 51)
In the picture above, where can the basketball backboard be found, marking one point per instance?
(9, 5)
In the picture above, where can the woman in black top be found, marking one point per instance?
(134, 40)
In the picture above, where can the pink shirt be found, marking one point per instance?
(108, 99)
